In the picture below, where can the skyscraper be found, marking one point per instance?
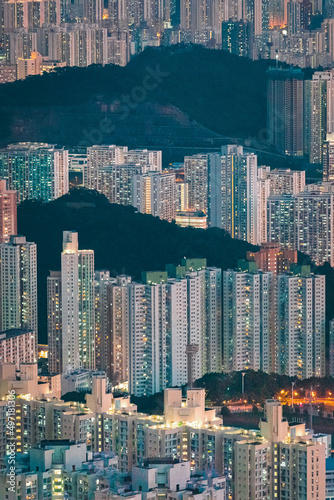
(54, 322)
(169, 311)
(78, 304)
(294, 8)
(213, 313)
(154, 193)
(281, 221)
(99, 157)
(249, 319)
(26, 14)
(285, 111)
(301, 324)
(234, 189)
(177, 331)
(35, 171)
(112, 325)
(118, 12)
(8, 212)
(320, 92)
(147, 346)
(110, 170)
(314, 226)
(18, 285)
(199, 17)
(93, 11)
(263, 193)
(238, 37)
(181, 195)
(196, 175)
(274, 182)
(283, 181)
(204, 315)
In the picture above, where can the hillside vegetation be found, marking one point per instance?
(223, 92)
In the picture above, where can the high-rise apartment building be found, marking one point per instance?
(99, 157)
(283, 181)
(249, 319)
(169, 311)
(154, 193)
(204, 314)
(19, 44)
(18, 285)
(263, 193)
(181, 195)
(54, 322)
(198, 17)
(122, 180)
(187, 437)
(177, 331)
(8, 212)
(213, 313)
(314, 226)
(303, 222)
(110, 170)
(93, 11)
(285, 110)
(281, 221)
(331, 349)
(102, 281)
(294, 459)
(118, 13)
(224, 187)
(30, 15)
(88, 45)
(238, 37)
(274, 182)
(238, 191)
(147, 348)
(112, 325)
(18, 346)
(153, 158)
(301, 324)
(78, 304)
(272, 258)
(274, 324)
(294, 15)
(196, 175)
(328, 158)
(319, 113)
(35, 171)
(256, 456)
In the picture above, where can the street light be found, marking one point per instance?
(243, 382)
(292, 385)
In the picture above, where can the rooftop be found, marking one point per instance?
(14, 332)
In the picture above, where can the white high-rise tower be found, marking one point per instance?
(78, 306)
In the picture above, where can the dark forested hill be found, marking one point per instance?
(175, 96)
(124, 241)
